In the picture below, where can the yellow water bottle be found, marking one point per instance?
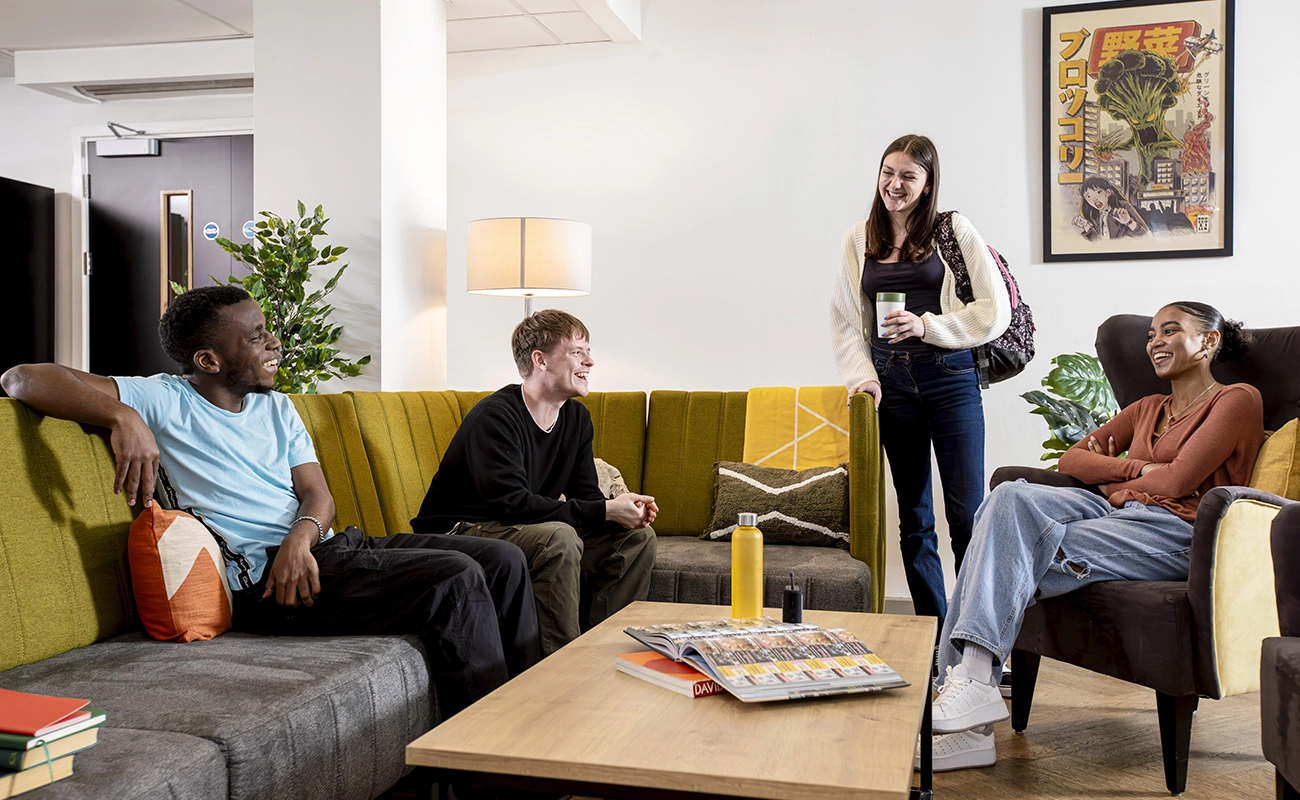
(747, 569)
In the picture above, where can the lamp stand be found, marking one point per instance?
(528, 306)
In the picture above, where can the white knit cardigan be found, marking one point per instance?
(961, 325)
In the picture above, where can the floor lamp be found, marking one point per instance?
(528, 257)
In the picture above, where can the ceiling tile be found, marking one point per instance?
(474, 9)
(547, 6)
(27, 25)
(500, 33)
(235, 13)
(573, 27)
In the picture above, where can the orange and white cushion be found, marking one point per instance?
(179, 577)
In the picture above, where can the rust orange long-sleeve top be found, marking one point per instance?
(1214, 445)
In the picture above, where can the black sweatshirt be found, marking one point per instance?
(501, 467)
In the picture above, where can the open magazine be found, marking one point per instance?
(760, 659)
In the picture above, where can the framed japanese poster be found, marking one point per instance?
(1137, 130)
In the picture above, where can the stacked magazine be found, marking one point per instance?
(760, 659)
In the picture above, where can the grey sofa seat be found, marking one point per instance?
(691, 570)
(294, 717)
(130, 764)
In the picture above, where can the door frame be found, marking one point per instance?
(72, 277)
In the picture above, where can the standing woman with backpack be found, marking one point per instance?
(917, 363)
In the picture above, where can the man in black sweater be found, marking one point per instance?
(517, 452)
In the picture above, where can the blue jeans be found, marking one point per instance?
(929, 400)
(1033, 541)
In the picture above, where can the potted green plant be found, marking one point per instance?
(1078, 401)
(280, 268)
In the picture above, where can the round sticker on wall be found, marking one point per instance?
(210, 231)
(248, 229)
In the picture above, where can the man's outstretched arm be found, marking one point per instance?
(66, 393)
(295, 575)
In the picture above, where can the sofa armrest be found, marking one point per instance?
(1045, 477)
(1233, 611)
(1286, 568)
(867, 494)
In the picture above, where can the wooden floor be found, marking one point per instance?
(1092, 737)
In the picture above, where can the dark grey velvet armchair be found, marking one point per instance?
(1279, 668)
(1184, 639)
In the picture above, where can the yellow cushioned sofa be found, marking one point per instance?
(666, 448)
(251, 716)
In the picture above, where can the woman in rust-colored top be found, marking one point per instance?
(1032, 541)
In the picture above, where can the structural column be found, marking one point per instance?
(350, 112)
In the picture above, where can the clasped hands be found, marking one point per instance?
(1110, 451)
(632, 510)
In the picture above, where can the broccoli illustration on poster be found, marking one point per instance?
(1137, 130)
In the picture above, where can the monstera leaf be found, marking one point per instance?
(1079, 377)
(1079, 402)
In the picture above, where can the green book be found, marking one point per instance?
(17, 760)
(18, 741)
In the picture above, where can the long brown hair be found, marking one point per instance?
(920, 225)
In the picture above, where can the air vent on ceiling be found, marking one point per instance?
(117, 91)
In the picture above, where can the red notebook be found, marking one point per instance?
(38, 714)
(649, 665)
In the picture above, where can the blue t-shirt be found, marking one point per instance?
(229, 470)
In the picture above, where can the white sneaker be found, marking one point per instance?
(964, 750)
(964, 703)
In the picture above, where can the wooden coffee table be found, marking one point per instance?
(575, 724)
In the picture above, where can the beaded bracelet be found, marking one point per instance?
(319, 526)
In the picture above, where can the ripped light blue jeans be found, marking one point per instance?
(1033, 542)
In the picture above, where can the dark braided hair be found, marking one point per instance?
(1233, 341)
(191, 320)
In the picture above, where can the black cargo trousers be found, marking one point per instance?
(468, 599)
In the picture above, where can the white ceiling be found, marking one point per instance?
(472, 25)
(59, 24)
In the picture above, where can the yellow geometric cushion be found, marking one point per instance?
(179, 577)
(797, 428)
(1277, 468)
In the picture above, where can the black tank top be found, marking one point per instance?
(922, 283)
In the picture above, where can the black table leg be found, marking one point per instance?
(926, 790)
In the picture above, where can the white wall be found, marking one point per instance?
(721, 160)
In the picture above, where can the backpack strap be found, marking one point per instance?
(946, 240)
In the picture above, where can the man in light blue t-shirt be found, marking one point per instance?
(224, 447)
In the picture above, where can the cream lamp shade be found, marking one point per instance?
(528, 257)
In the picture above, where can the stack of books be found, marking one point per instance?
(38, 737)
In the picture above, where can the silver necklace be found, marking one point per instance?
(1174, 417)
